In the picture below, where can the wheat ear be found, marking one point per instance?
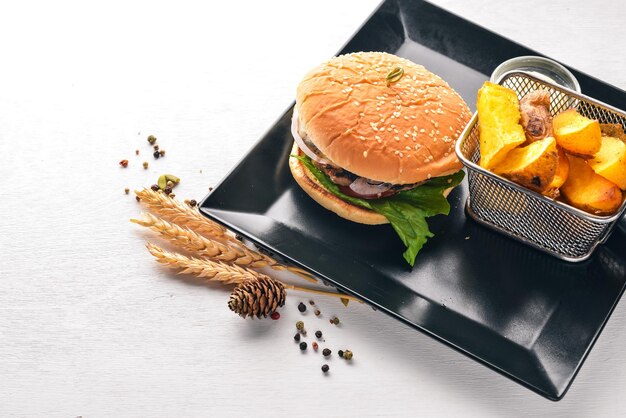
(218, 271)
(174, 210)
(203, 268)
(231, 253)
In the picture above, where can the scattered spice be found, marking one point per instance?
(193, 203)
(172, 195)
(238, 237)
(155, 187)
(126, 190)
(326, 352)
(138, 198)
(299, 325)
(302, 307)
(340, 353)
(275, 316)
(347, 355)
(156, 147)
(318, 334)
(162, 152)
(297, 336)
(156, 155)
(145, 165)
(325, 368)
(303, 345)
(168, 190)
(210, 189)
(136, 152)
(334, 320)
(124, 163)
(315, 346)
(311, 303)
(152, 139)
(317, 312)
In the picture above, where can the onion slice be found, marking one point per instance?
(301, 143)
(361, 187)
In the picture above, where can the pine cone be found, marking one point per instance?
(258, 297)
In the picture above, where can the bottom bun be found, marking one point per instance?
(314, 188)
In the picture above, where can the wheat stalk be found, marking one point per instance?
(194, 242)
(174, 210)
(222, 272)
(203, 268)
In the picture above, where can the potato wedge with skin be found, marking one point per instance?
(577, 134)
(562, 171)
(613, 129)
(610, 161)
(586, 190)
(533, 166)
(499, 123)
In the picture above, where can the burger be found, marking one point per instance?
(374, 137)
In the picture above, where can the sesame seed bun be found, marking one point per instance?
(400, 133)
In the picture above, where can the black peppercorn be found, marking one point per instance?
(311, 303)
(325, 368)
(326, 352)
(239, 237)
(340, 352)
(318, 334)
(296, 337)
(302, 307)
(168, 190)
(303, 346)
(155, 187)
(317, 312)
(156, 155)
(193, 203)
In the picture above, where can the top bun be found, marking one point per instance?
(400, 133)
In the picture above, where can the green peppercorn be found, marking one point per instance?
(152, 139)
(299, 325)
(302, 307)
(296, 337)
(340, 353)
(347, 355)
(335, 321)
(325, 368)
(326, 352)
(303, 346)
(318, 334)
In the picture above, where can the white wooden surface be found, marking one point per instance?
(91, 326)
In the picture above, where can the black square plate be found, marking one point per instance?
(523, 313)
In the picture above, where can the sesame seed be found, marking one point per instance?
(429, 176)
(365, 154)
(377, 137)
(407, 148)
(356, 103)
(422, 130)
(413, 116)
(400, 154)
(396, 138)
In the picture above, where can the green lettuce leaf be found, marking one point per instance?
(406, 211)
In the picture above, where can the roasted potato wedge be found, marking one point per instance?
(586, 190)
(562, 171)
(499, 117)
(610, 161)
(533, 166)
(577, 134)
(613, 129)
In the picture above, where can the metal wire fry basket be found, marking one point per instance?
(539, 221)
